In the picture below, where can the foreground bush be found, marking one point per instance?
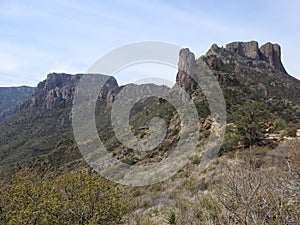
(80, 197)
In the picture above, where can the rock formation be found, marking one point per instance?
(58, 90)
(271, 53)
(55, 92)
(247, 49)
(110, 97)
(186, 66)
(233, 57)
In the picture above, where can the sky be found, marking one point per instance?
(39, 37)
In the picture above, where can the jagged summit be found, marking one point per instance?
(58, 90)
(186, 64)
(245, 64)
(270, 53)
(249, 49)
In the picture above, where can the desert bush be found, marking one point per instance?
(247, 194)
(79, 197)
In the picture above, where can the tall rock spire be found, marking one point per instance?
(271, 53)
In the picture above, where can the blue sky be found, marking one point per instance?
(38, 37)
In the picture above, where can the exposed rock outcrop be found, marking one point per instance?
(271, 53)
(234, 57)
(237, 68)
(58, 90)
(186, 65)
(249, 49)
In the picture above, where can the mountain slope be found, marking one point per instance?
(42, 125)
(11, 97)
(251, 181)
(250, 78)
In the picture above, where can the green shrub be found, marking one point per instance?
(79, 197)
(280, 124)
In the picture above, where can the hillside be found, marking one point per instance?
(249, 77)
(11, 97)
(42, 125)
(256, 87)
(263, 110)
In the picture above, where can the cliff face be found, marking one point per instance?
(42, 125)
(55, 92)
(247, 49)
(186, 65)
(58, 90)
(270, 53)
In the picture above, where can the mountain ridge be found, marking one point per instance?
(244, 76)
(11, 99)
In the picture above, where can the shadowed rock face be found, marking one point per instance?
(55, 92)
(271, 53)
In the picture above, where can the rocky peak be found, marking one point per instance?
(271, 53)
(245, 60)
(58, 80)
(249, 49)
(186, 65)
(57, 91)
